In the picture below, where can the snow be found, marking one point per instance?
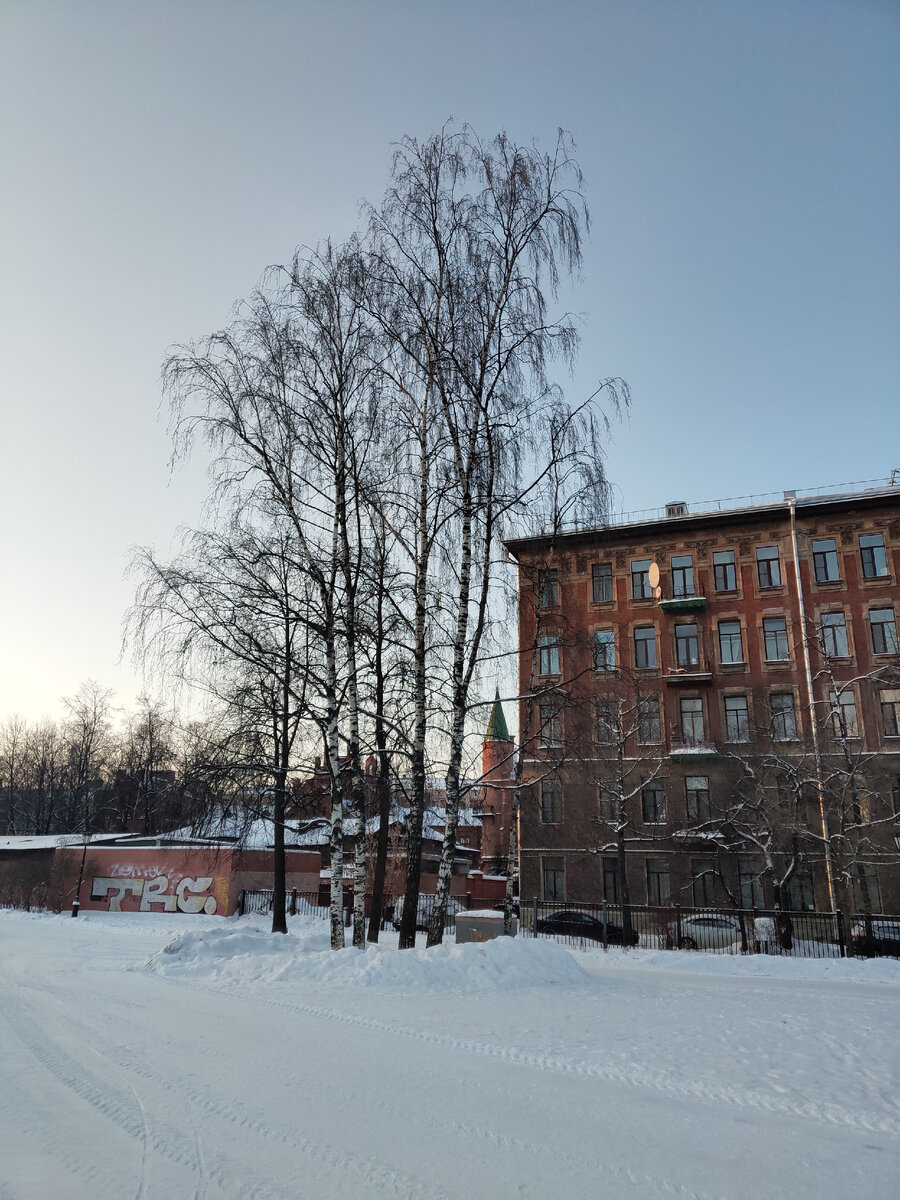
(162, 1055)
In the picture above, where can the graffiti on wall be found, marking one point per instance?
(162, 893)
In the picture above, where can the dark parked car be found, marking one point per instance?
(577, 924)
(876, 939)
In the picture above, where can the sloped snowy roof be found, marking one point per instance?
(54, 841)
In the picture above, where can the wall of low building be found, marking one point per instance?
(145, 879)
(25, 877)
(253, 871)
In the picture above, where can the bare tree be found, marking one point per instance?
(227, 616)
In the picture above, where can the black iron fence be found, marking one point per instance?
(799, 934)
(715, 930)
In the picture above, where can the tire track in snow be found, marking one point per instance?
(441, 1123)
(334, 1159)
(655, 1081)
(253, 1184)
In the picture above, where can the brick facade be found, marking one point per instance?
(707, 660)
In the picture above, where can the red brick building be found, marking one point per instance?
(706, 688)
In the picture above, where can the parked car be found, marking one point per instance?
(578, 924)
(423, 911)
(709, 931)
(876, 938)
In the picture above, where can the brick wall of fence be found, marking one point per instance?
(719, 931)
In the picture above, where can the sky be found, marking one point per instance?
(743, 272)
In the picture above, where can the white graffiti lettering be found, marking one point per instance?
(103, 886)
(155, 893)
(197, 903)
(189, 895)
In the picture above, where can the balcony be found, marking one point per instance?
(681, 600)
(684, 750)
(690, 675)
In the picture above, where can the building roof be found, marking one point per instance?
(497, 730)
(729, 511)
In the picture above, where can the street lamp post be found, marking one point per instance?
(76, 903)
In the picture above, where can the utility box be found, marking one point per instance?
(483, 926)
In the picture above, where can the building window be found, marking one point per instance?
(687, 653)
(801, 897)
(749, 872)
(872, 553)
(834, 636)
(640, 579)
(768, 568)
(697, 791)
(611, 880)
(601, 582)
(606, 803)
(884, 630)
(682, 575)
(890, 711)
(604, 650)
(825, 560)
(844, 721)
(737, 719)
(608, 726)
(548, 587)
(784, 720)
(648, 728)
(724, 572)
(553, 878)
(551, 725)
(691, 719)
(731, 649)
(653, 804)
(551, 802)
(775, 639)
(548, 654)
(704, 882)
(657, 881)
(645, 646)
(865, 888)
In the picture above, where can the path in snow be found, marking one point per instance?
(237, 1067)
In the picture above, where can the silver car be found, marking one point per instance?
(709, 931)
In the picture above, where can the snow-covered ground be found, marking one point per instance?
(183, 1058)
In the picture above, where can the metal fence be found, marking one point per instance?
(715, 930)
(312, 904)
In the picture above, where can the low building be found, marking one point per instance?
(174, 873)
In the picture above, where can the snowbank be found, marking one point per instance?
(243, 955)
(759, 966)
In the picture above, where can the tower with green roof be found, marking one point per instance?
(497, 768)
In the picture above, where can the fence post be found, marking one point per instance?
(842, 946)
(604, 918)
(241, 903)
(293, 902)
(677, 926)
(534, 917)
(744, 944)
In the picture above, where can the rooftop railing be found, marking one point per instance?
(542, 524)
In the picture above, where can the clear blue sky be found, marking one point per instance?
(742, 168)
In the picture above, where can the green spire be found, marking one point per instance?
(497, 730)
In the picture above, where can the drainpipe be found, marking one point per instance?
(817, 752)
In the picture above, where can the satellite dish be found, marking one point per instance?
(653, 575)
(657, 592)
